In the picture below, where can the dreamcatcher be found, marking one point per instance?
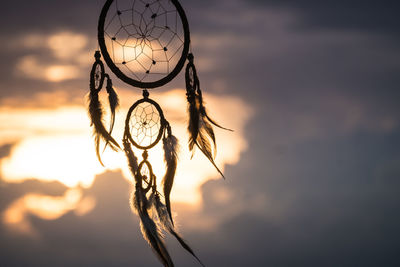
(146, 43)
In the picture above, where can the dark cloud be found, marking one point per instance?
(23, 15)
(366, 16)
(325, 205)
(5, 150)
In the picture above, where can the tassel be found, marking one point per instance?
(96, 115)
(171, 146)
(200, 128)
(148, 227)
(166, 224)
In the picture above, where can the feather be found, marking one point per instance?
(204, 145)
(204, 112)
(213, 122)
(193, 126)
(96, 117)
(114, 103)
(170, 145)
(132, 159)
(140, 205)
(149, 229)
(201, 133)
(166, 223)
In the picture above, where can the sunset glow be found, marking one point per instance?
(56, 145)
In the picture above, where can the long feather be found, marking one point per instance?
(96, 117)
(170, 145)
(204, 145)
(149, 229)
(166, 223)
(113, 101)
(213, 122)
(194, 117)
(204, 112)
(132, 159)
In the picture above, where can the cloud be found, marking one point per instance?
(76, 43)
(46, 208)
(51, 59)
(340, 15)
(31, 67)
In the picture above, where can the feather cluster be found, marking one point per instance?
(149, 228)
(141, 205)
(99, 130)
(155, 216)
(96, 115)
(201, 133)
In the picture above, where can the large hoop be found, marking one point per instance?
(134, 82)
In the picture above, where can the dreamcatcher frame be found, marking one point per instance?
(201, 134)
(129, 80)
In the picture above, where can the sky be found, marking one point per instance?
(312, 169)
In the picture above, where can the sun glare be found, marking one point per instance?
(67, 159)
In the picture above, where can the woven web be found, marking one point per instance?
(145, 124)
(144, 38)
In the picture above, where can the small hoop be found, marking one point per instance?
(162, 123)
(150, 180)
(94, 76)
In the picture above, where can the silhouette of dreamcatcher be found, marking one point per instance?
(146, 43)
